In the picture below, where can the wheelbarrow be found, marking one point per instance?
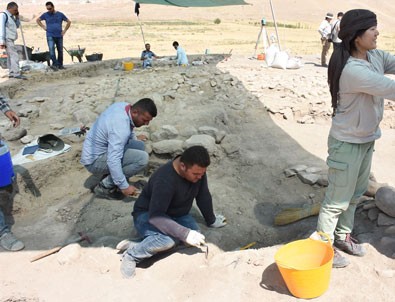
(75, 52)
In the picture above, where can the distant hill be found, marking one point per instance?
(303, 11)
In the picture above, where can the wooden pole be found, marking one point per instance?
(275, 24)
(141, 28)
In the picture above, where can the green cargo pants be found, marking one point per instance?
(348, 176)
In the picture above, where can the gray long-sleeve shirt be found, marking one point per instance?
(363, 88)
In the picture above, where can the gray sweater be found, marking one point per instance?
(363, 88)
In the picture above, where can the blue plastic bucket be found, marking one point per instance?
(6, 168)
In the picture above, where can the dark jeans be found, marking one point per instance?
(58, 42)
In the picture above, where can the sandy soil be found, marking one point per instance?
(52, 200)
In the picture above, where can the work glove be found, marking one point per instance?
(195, 238)
(220, 221)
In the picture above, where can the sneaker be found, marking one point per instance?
(9, 242)
(350, 246)
(54, 68)
(128, 266)
(123, 245)
(112, 193)
(61, 67)
(338, 260)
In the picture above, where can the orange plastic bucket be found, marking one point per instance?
(305, 266)
(261, 57)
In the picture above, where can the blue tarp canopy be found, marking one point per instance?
(194, 3)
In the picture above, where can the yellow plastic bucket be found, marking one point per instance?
(305, 266)
(128, 66)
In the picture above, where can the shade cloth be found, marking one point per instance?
(194, 3)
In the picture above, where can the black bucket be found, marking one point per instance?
(94, 57)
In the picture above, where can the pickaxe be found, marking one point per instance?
(81, 237)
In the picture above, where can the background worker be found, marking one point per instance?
(8, 240)
(161, 214)
(147, 55)
(358, 87)
(53, 26)
(335, 31)
(9, 24)
(111, 149)
(325, 30)
(181, 57)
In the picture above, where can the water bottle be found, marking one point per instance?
(6, 167)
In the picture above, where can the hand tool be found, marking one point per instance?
(246, 247)
(206, 251)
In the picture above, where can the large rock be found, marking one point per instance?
(171, 146)
(188, 131)
(14, 134)
(231, 144)
(385, 200)
(165, 133)
(204, 140)
(308, 178)
(385, 220)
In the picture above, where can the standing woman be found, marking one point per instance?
(358, 87)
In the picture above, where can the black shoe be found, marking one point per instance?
(61, 67)
(112, 193)
(54, 68)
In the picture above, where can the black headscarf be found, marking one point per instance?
(353, 24)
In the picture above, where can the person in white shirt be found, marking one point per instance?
(9, 23)
(325, 30)
(181, 55)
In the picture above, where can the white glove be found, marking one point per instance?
(195, 238)
(220, 221)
